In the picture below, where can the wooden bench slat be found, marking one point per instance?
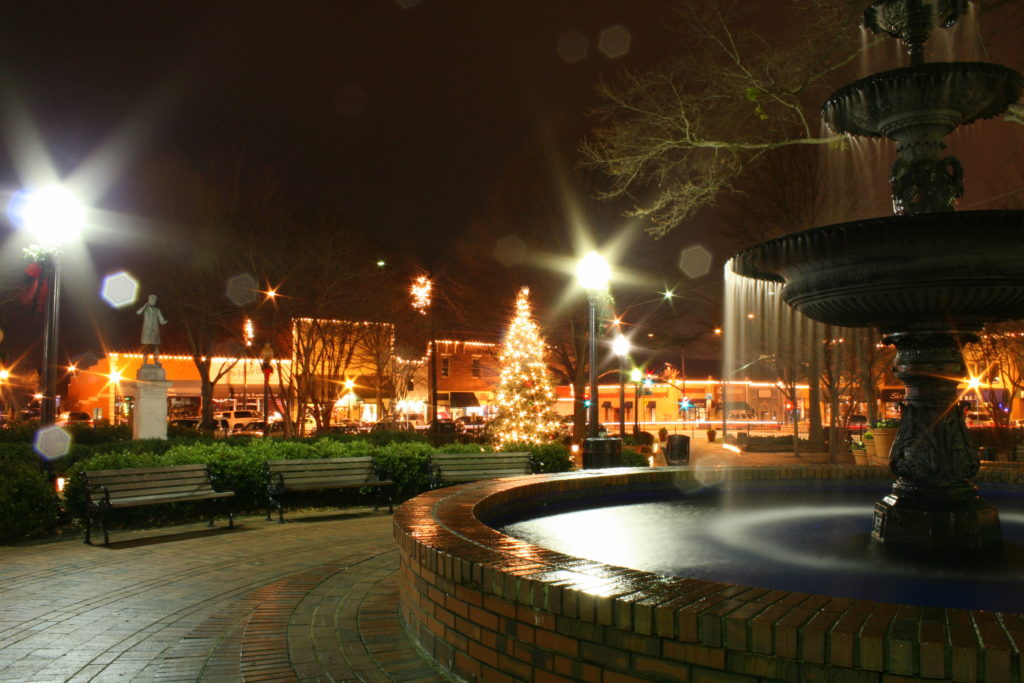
(150, 471)
(136, 501)
(317, 474)
(466, 467)
(155, 491)
(111, 489)
(136, 482)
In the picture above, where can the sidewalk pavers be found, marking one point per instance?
(314, 600)
(262, 602)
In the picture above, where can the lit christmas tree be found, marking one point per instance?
(525, 396)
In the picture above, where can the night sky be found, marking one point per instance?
(401, 117)
(395, 114)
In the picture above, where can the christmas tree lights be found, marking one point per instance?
(525, 395)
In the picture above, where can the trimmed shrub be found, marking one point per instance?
(406, 465)
(28, 503)
(550, 457)
(634, 458)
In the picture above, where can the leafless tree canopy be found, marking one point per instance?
(673, 138)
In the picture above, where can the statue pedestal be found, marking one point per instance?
(150, 420)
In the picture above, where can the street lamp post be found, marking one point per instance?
(621, 348)
(593, 274)
(350, 387)
(266, 356)
(54, 217)
(637, 377)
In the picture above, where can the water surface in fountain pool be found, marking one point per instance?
(812, 540)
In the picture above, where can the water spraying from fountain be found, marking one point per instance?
(927, 278)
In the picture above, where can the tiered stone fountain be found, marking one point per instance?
(929, 278)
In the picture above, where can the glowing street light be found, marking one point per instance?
(621, 348)
(593, 274)
(54, 218)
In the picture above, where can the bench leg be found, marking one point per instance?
(386, 496)
(275, 499)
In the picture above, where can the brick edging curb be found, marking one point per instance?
(490, 607)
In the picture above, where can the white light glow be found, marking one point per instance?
(53, 216)
(621, 346)
(593, 272)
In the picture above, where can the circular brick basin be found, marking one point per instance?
(488, 606)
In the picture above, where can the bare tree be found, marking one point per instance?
(676, 137)
(203, 216)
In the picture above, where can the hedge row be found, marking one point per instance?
(28, 503)
(239, 466)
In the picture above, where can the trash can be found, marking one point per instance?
(677, 450)
(602, 452)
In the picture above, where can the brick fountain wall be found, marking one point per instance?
(489, 607)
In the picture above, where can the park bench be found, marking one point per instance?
(455, 468)
(108, 490)
(321, 474)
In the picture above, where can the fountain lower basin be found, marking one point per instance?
(808, 536)
(943, 271)
(480, 601)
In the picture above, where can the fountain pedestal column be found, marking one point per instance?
(933, 505)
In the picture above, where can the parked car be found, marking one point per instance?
(255, 428)
(74, 418)
(979, 417)
(185, 422)
(393, 426)
(237, 418)
(346, 427)
(472, 423)
(445, 427)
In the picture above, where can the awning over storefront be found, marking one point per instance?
(463, 399)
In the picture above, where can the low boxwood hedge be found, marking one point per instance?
(239, 466)
(28, 502)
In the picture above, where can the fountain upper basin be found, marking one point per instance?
(943, 94)
(937, 271)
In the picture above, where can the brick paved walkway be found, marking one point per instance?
(311, 600)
